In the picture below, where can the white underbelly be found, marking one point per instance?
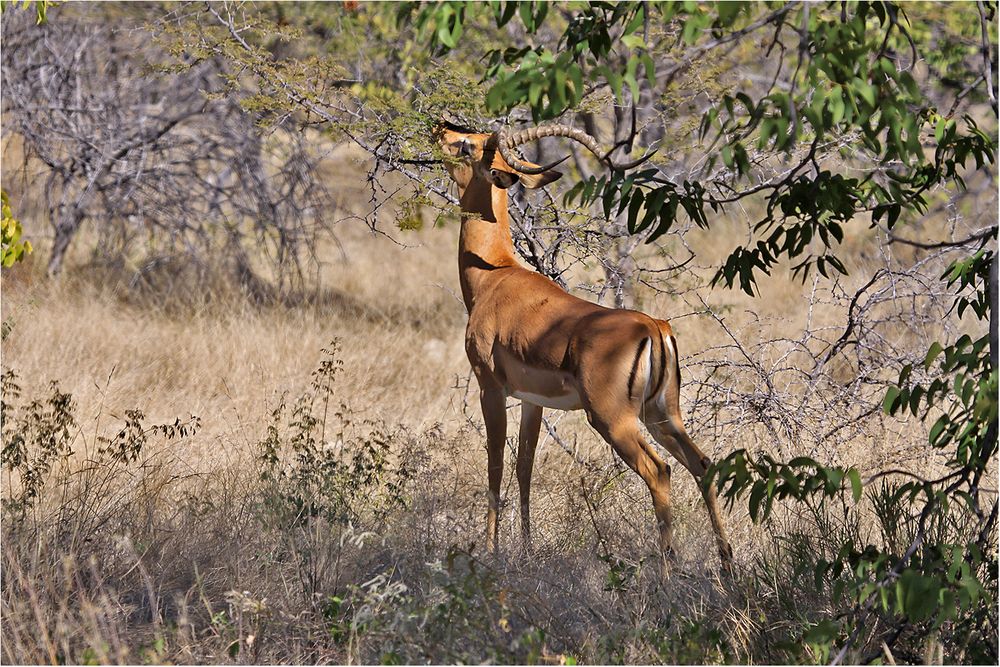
(548, 388)
(569, 401)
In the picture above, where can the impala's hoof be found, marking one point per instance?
(668, 561)
(727, 570)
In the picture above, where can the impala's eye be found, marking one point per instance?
(502, 179)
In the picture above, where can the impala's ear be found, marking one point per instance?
(532, 181)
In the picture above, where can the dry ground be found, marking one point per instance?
(177, 555)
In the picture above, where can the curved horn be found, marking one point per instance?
(505, 145)
(507, 142)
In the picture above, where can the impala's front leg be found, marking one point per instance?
(493, 402)
(531, 423)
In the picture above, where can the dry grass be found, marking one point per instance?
(187, 553)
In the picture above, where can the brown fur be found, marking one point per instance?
(527, 335)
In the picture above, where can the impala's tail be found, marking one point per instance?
(655, 366)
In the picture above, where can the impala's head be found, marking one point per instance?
(470, 155)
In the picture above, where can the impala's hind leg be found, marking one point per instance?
(662, 416)
(626, 439)
(671, 435)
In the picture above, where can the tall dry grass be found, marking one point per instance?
(328, 507)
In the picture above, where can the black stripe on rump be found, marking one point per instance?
(635, 365)
(663, 366)
(677, 360)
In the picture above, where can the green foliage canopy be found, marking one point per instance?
(848, 85)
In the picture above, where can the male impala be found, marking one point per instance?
(528, 338)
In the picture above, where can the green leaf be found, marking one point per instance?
(728, 11)
(654, 201)
(633, 210)
(524, 9)
(650, 69)
(856, 488)
(691, 31)
(865, 90)
(607, 199)
(615, 81)
(506, 14)
(631, 67)
(890, 401)
(534, 93)
(636, 21)
(937, 430)
(932, 354)
(727, 156)
(893, 214)
(742, 159)
(835, 103)
(823, 632)
(495, 98)
(634, 42)
(444, 31)
(557, 91)
(917, 595)
(576, 83)
(756, 496)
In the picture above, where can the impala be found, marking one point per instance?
(530, 339)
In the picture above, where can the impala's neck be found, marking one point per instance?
(484, 243)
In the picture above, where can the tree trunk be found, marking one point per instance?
(991, 292)
(65, 229)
